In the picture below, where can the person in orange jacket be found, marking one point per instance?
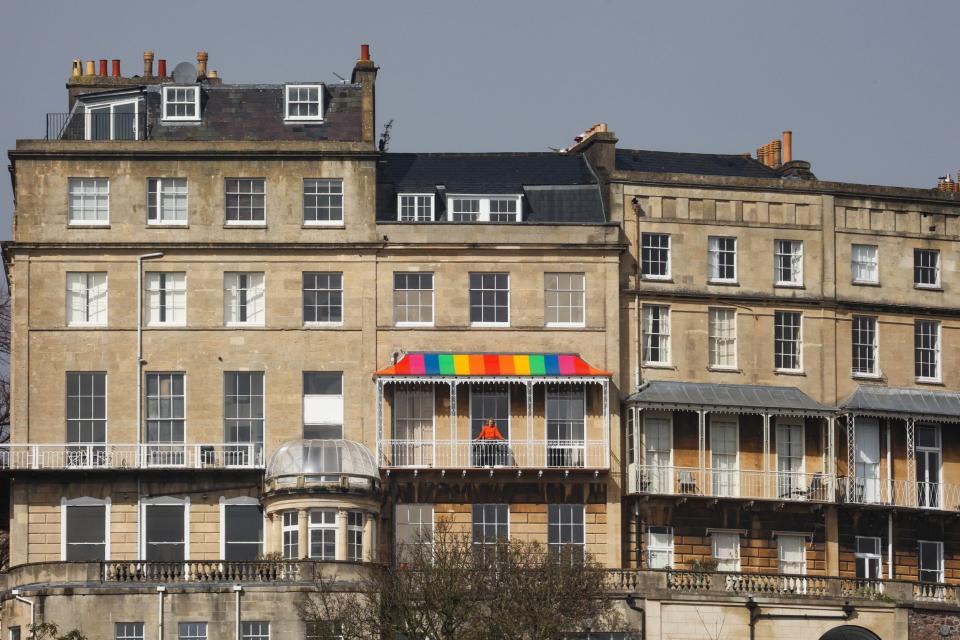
(490, 449)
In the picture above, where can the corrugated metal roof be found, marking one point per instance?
(928, 402)
(698, 394)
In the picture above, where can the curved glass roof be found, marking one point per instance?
(322, 458)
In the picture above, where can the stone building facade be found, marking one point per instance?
(249, 347)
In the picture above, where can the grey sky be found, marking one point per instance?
(869, 89)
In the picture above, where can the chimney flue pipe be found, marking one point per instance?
(365, 52)
(116, 68)
(162, 68)
(787, 146)
(91, 69)
(202, 58)
(103, 67)
(148, 64)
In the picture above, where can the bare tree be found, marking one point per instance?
(445, 589)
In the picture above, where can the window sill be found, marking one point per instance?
(789, 372)
(723, 283)
(244, 325)
(565, 325)
(85, 325)
(322, 325)
(290, 120)
(867, 376)
(324, 225)
(930, 382)
(725, 369)
(668, 279)
(490, 325)
(88, 225)
(179, 120)
(858, 283)
(787, 285)
(928, 287)
(413, 325)
(244, 225)
(659, 365)
(162, 225)
(165, 325)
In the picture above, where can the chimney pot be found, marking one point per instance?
(91, 68)
(148, 64)
(77, 69)
(787, 147)
(162, 68)
(103, 67)
(364, 52)
(212, 74)
(202, 58)
(116, 68)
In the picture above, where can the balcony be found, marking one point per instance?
(516, 454)
(551, 411)
(900, 493)
(21, 457)
(98, 124)
(788, 588)
(717, 483)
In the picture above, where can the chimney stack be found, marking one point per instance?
(365, 74)
(202, 58)
(162, 68)
(787, 147)
(769, 154)
(148, 64)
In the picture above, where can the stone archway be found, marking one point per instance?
(849, 632)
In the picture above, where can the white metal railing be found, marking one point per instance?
(900, 493)
(465, 454)
(131, 456)
(733, 483)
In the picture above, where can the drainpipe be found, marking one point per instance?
(237, 589)
(160, 590)
(140, 259)
(632, 603)
(890, 545)
(33, 618)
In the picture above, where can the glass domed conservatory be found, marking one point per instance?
(321, 498)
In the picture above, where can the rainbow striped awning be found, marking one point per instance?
(492, 364)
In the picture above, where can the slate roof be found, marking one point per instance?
(709, 164)
(556, 187)
(925, 402)
(733, 396)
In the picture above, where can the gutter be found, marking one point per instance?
(632, 603)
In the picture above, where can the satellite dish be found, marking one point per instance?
(185, 73)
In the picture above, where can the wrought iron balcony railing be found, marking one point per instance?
(733, 483)
(511, 454)
(97, 125)
(131, 456)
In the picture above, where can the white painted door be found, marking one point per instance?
(868, 459)
(789, 458)
(657, 444)
(723, 455)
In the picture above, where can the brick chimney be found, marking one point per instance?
(365, 74)
(769, 154)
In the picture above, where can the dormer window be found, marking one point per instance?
(304, 102)
(112, 120)
(415, 207)
(181, 102)
(462, 208)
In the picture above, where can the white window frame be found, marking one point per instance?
(868, 556)
(484, 213)
(937, 350)
(136, 634)
(289, 528)
(560, 546)
(482, 545)
(308, 118)
(718, 535)
(796, 263)
(940, 559)
(659, 548)
(419, 524)
(247, 631)
(714, 252)
(77, 181)
(418, 199)
(509, 298)
(330, 398)
(229, 311)
(669, 262)
(583, 297)
(166, 101)
(323, 526)
(433, 300)
(165, 501)
(782, 540)
(332, 222)
(731, 476)
(875, 346)
(662, 335)
(226, 207)
(169, 182)
(303, 306)
(88, 117)
(354, 551)
(715, 340)
(799, 341)
(84, 502)
(87, 299)
(170, 307)
(856, 265)
(240, 501)
(937, 268)
(198, 624)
